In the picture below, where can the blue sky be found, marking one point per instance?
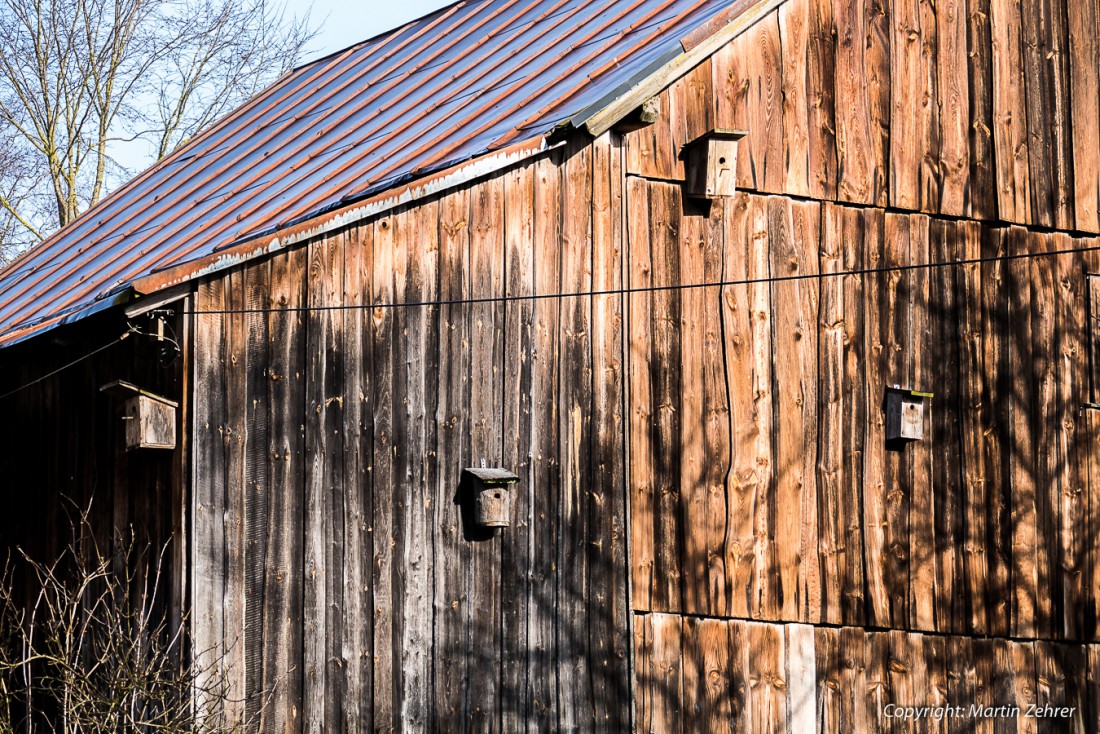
(343, 23)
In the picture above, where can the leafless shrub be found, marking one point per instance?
(91, 649)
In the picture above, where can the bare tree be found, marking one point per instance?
(89, 646)
(81, 80)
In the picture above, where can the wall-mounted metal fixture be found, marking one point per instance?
(493, 498)
(905, 414)
(710, 164)
(150, 419)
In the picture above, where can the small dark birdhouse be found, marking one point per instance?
(905, 414)
(150, 419)
(493, 498)
(710, 164)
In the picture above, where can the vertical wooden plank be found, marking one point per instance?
(1070, 380)
(707, 705)
(863, 82)
(283, 596)
(324, 463)
(1026, 682)
(794, 50)
(575, 426)
(665, 391)
(419, 243)
(766, 582)
(996, 390)
(257, 483)
(355, 645)
(741, 676)
(949, 497)
(879, 464)
(234, 438)
(925, 371)
(606, 594)
(1036, 44)
(828, 673)
(737, 334)
(644, 683)
(767, 672)
(1084, 81)
(801, 676)
(483, 642)
(694, 491)
(543, 667)
(952, 94)
(208, 569)
(749, 88)
(793, 236)
(914, 120)
(1060, 121)
(982, 197)
(666, 676)
(716, 429)
(820, 82)
(887, 476)
(450, 548)
(879, 691)
(643, 498)
(972, 375)
(858, 229)
(982, 652)
(1010, 133)
(384, 350)
(1029, 554)
(516, 561)
(842, 419)
(1092, 688)
(934, 650)
(857, 680)
(962, 677)
(905, 670)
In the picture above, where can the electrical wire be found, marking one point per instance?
(75, 362)
(643, 289)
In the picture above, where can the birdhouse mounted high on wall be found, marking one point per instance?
(710, 164)
(150, 418)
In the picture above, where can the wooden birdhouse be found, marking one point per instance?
(150, 420)
(710, 164)
(905, 414)
(493, 498)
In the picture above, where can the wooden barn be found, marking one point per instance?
(607, 365)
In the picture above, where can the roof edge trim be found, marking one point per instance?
(605, 114)
(408, 193)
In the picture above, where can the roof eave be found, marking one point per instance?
(692, 50)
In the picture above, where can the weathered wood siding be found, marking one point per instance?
(62, 450)
(716, 675)
(918, 207)
(762, 484)
(984, 109)
(331, 562)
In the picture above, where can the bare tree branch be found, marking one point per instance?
(77, 76)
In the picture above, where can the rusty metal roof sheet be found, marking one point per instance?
(476, 77)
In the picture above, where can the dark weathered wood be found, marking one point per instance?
(450, 593)
(575, 425)
(973, 416)
(948, 499)
(517, 427)
(997, 386)
(545, 490)
(383, 449)
(982, 197)
(665, 412)
(924, 371)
